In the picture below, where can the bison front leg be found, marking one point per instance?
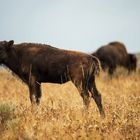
(35, 91)
(38, 92)
(111, 69)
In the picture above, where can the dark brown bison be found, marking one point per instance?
(37, 63)
(114, 54)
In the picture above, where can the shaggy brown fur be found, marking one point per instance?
(37, 63)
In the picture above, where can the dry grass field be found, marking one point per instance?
(61, 114)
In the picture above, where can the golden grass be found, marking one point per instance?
(61, 115)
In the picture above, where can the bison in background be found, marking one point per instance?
(37, 63)
(114, 54)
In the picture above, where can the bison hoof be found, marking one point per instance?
(102, 114)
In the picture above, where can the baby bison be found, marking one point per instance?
(37, 63)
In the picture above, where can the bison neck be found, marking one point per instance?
(13, 64)
(13, 68)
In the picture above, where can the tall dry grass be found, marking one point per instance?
(61, 115)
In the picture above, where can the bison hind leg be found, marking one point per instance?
(96, 96)
(84, 94)
(86, 99)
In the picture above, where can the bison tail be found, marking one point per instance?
(96, 66)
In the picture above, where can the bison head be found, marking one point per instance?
(132, 62)
(4, 48)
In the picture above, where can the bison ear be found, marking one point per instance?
(10, 43)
